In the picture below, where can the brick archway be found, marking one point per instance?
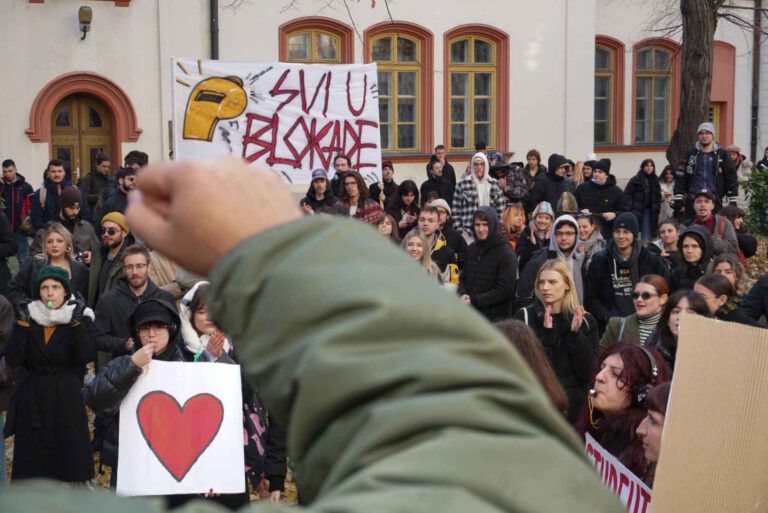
(124, 118)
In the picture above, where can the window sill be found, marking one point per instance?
(629, 148)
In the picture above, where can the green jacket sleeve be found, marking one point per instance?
(396, 395)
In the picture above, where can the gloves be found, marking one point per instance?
(22, 311)
(77, 313)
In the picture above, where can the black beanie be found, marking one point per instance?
(556, 161)
(603, 165)
(628, 221)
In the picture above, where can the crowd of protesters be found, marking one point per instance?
(587, 280)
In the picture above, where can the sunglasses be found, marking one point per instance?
(110, 231)
(645, 295)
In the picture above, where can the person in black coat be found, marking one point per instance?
(455, 241)
(404, 207)
(437, 182)
(602, 196)
(8, 248)
(319, 194)
(695, 246)
(118, 202)
(553, 184)
(536, 235)
(387, 185)
(568, 334)
(643, 196)
(108, 389)
(747, 242)
(614, 271)
(755, 302)
(46, 411)
(721, 299)
(488, 282)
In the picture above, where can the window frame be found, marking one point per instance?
(616, 101)
(317, 25)
(312, 49)
(500, 84)
(424, 66)
(654, 75)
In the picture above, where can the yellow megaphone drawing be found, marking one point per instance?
(211, 100)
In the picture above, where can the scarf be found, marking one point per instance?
(646, 325)
(43, 316)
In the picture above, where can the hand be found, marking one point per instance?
(143, 356)
(210, 493)
(664, 253)
(164, 208)
(274, 497)
(307, 209)
(548, 317)
(77, 313)
(609, 216)
(87, 257)
(533, 238)
(404, 222)
(129, 344)
(466, 299)
(580, 249)
(382, 197)
(578, 317)
(216, 343)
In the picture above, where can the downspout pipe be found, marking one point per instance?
(214, 19)
(756, 79)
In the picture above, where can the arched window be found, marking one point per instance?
(403, 54)
(477, 87)
(609, 91)
(656, 86)
(315, 40)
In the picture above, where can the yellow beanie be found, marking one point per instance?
(118, 219)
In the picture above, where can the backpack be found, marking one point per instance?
(26, 227)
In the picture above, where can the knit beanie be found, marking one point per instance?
(603, 165)
(555, 161)
(118, 219)
(70, 197)
(628, 221)
(706, 127)
(441, 203)
(52, 272)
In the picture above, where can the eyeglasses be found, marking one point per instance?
(645, 295)
(138, 267)
(565, 234)
(152, 326)
(110, 231)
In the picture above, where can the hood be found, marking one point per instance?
(704, 238)
(715, 145)
(174, 332)
(553, 240)
(552, 175)
(494, 235)
(19, 179)
(123, 287)
(194, 344)
(480, 155)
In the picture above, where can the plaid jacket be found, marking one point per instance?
(465, 203)
(368, 211)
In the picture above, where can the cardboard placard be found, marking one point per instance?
(181, 431)
(630, 489)
(291, 118)
(714, 449)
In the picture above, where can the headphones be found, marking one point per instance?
(640, 392)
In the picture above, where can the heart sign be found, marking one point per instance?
(179, 435)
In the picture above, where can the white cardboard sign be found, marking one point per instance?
(181, 431)
(292, 118)
(633, 493)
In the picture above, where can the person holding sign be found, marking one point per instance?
(652, 427)
(362, 405)
(46, 412)
(155, 325)
(615, 406)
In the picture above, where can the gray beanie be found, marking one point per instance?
(441, 203)
(706, 127)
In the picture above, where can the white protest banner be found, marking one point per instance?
(181, 431)
(292, 118)
(631, 491)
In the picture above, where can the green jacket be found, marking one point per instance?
(631, 331)
(115, 272)
(397, 396)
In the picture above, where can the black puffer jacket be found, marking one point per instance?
(755, 302)
(111, 328)
(600, 292)
(599, 199)
(549, 188)
(644, 191)
(525, 248)
(571, 354)
(108, 389)
(685, 276)
(491, 272)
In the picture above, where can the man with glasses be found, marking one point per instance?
(563, 245)
(107, 264)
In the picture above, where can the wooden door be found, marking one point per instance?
(81, 129)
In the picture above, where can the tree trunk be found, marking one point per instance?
(699, 18)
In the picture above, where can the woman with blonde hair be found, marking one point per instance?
(568, 334)
(57, 251)
(513, 222)
(416, 245)
(578, 174)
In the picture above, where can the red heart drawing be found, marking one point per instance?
(179, 435)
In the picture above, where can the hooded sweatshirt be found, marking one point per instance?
(686, 275)
(482, 184)
(194, 343)
(575, 259)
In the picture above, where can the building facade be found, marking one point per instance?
(555, 75)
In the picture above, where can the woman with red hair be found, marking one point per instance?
(615, 406)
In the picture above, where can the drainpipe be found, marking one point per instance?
(755, 78)
(214, 29)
